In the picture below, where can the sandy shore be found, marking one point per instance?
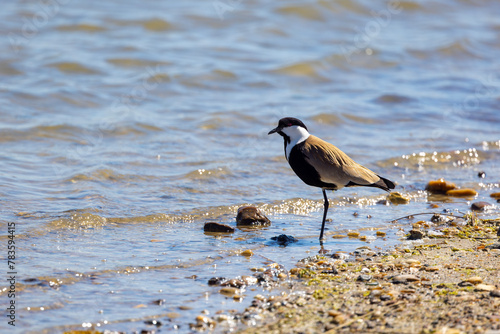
(447, 282)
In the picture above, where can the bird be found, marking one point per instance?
(323, 165)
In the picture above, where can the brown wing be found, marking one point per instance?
(334, 166)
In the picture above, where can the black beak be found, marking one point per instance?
(277, 129)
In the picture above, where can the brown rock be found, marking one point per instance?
(415, 235)
(396, 198)
(480, 206)
(217, 227)
(461, 193)
(439, 186)
(495, 195)
(251, 216)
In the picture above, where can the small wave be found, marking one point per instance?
(72, 67)
(83, 27)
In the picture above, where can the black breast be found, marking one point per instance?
(304, 170)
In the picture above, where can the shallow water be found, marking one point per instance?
(124, 127)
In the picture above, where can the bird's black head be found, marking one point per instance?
(285, 123)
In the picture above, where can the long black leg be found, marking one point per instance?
(325, 211)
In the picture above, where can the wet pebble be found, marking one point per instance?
(461, 192)
(397, 198)
(217, 228)
(439, 186)
(251, 216)
(480, 206)
(216, 280)
(284, 240)
(474, 280)
(415, 235)
(235, 283)
(153, 322)
(481, 174)
(247, 253)
(229, 291)
(495, 195)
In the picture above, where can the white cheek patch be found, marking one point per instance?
(297, 135)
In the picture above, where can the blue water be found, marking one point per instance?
(125, 126)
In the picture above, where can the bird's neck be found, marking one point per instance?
(293, 135)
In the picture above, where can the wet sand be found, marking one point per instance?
(445, 283)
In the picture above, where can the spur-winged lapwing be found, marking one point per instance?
(320, 164)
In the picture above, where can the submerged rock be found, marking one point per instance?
(495, 195)
(217, 227)
(284, 240)
(439, 186)
(251, 216)
(397, 198)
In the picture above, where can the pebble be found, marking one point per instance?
(461, 192)
(353, 234)
(404, 279)
(480, 206)
(485, 287)
(216, 280)
(380, 234)
(338, 236)
(217, 228)
(396, 198)
(415, 235)
(439, 186)
(153, 322)
(364, 278)
(495, 293)
(284, 240)
(495, 195)
(235, 283)
(247, 253)
(433, 268)
(474, 280)
(251, 216)
(203, 320)
(229, 291)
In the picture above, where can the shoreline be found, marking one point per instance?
(445, 282)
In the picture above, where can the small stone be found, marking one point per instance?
(202, 320)
(216, 280)
(217, 228)
(461, 193)
(249, 280)
(415, 235)
(381, 234)
(229, 291)
(247, 253)
(495, 293)
(480, 206)
(481, 174)
(153, 322)
(485, 287)
(495, 195)
(251, 216)
(439, 186)
(364, 278)
(353, 234)
(397, 198)
(400, 279)
(284, 240)
(235, 283)
(338, 236)
(474, 280)
(432, 268)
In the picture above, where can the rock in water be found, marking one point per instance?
(439, 186)
(396, 198)
(284, 240)
(251, 216)
(480, 206)
(216, 227)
